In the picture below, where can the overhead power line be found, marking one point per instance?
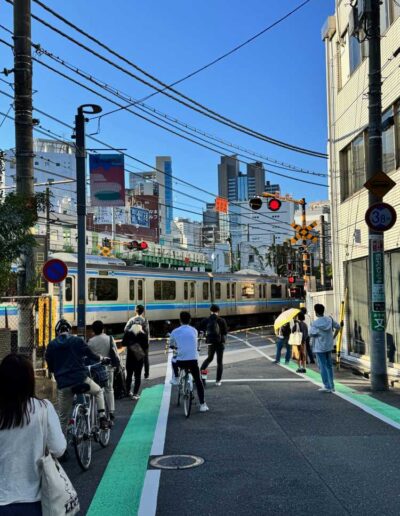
(188, 102)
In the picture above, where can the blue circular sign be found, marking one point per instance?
(55, 271)
(380, 216)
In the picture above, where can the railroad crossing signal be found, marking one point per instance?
(304, 233)
(104, 251)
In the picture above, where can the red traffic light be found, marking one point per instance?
(274, 204)
(143, 246)
(291, 279)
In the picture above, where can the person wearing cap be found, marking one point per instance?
(216, 330)
(307, 320)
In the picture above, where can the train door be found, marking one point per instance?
(190, 297)
(137, 295)
(70, 298)
(230, 304)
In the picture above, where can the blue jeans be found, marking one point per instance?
(325, 367)
(279, 345)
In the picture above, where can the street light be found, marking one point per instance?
(80, 154)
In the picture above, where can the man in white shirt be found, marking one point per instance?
(184, 339)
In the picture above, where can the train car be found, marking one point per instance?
(113, 289)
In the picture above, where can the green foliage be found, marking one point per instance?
(17, 216)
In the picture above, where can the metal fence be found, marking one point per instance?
(26, 326)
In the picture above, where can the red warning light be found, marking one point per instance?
(144, 246)
(274, 204)
(291, 279)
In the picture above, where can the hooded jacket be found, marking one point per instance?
(321, 333)
(65, 358)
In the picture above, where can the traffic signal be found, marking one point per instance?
(274, 204)
(134, 245)
(291, 279)
(255, 203)
(107, 243)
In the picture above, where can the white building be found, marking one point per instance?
(347, 88)
(187, 233)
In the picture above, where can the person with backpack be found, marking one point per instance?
(104, 345)
(283, 340)
(139, 318)
(301, 327)
(136, 341)
(216, 330)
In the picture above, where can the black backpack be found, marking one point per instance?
(286, 330)
(213, 331)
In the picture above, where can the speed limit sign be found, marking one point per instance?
(380, 216)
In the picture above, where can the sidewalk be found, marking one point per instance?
(278, 446)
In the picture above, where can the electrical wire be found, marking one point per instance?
(200, 109)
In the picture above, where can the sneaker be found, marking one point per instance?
(286, 363)
(324, 389)
(303, 370)
(276, 361)
(203, 407)
(146, 377)
(103, 423)
(136, 397)
(130, 394)
(299, 370)
(112, 417)
(174, 380)
(218, 384)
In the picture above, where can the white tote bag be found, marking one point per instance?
(296, 338)
(59, 497)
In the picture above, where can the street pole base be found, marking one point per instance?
(379, 382)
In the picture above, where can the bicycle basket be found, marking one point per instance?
(99, 374)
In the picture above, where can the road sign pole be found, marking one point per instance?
(81, 210)
(377, 308)
(60, 300)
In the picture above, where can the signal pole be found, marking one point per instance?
(377, 307)
(24, 151)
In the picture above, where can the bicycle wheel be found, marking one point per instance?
(178, 401)
(187, 397)
(104, 434)
(81, 438)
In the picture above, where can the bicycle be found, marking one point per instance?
(85, 425)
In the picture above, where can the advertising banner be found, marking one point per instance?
(107, 179)
(140, 217)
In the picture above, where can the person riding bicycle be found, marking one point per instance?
(184, 339)
(65, 359)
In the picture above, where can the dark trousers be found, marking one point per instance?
(133, 367)
(146, 365)
(21, 509)
(193, 367)
(309, 351)
(219, 350)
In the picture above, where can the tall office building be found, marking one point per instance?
(272, 188)
(234, 185)
(164, 179)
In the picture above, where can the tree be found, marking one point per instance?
(17, 216)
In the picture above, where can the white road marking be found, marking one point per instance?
(148, 500)
(260, 380)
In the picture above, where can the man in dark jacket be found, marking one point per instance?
(65, 358)
(216, 330)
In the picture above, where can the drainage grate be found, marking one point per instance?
(176, 461)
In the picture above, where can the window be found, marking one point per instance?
(131, 290)
(103, 289)
(185, 291)
(265, 291)
(353, 167)
(68, 289)
(358, 52)
(192, 290)
(251, 258)
(164, 290)
(260, 291)
(276, 291)
(358, 151)
(388, 148)
(248, 290)
(390, 10)
(205, 291)
(233, 290)
(228, 291)
(140, 290)
(397, 131)
(218, 291)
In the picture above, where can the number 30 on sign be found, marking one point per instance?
(380, 216)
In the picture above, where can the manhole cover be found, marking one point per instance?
(176, 461)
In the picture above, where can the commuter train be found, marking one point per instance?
(114, 289)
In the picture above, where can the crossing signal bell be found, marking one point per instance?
(274, 204)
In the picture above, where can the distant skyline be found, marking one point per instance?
(275, 85)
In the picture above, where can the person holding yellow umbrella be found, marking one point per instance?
(282, 331)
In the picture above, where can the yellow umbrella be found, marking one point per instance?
(285, 317)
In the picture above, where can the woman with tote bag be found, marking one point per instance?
(298, 338)
(29, 428)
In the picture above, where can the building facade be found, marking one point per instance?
(347, 92)
(187, 233)
(234, 185)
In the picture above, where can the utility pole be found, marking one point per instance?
(47, 247)
(24, 152)
(376, 290)
(322, 251)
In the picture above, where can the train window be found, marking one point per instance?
(131, 290)
(164, 290)
(192, 290)
(260, 291)
(68, 289)
(218, 291)
(248, 290)
(228, 291)
(185, 291)
(205, 291)
(265, 291)
(103, 289)
(233, 290)
(140, 290)
(276, 291)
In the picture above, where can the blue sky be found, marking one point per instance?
(275, 85)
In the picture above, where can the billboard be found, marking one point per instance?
(140, 217)
(105, 215)
(107, 179)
